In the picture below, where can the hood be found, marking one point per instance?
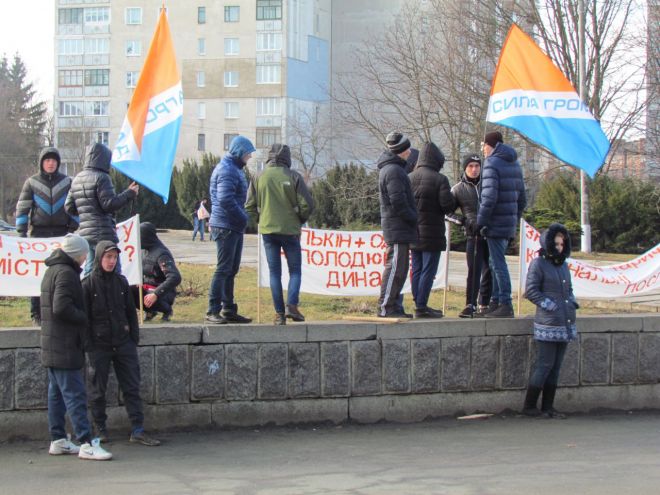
(430, 156)
(98, 156)
(279, 156)
(548, 249)
(101, 248)
(49, 153)
(148, 236)
(504, 152)
(387, 157)
(240, 146)
(59, 257)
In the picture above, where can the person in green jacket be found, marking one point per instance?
(279, 201)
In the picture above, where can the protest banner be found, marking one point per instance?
(22, 259)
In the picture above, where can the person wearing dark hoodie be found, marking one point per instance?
(228, 192)
(279, 201)
(40, 208)
(433, 199)
(398, 218)
(501, 205)
(160, 276)
(549, 287)
(63, 342)
(479, 282)
(113, 338)
(92, 198)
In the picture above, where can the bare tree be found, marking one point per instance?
(309, 135)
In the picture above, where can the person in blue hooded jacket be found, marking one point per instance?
(501, 205)
(228, 192)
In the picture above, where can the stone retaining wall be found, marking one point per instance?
(201, 376)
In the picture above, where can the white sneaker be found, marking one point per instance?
(63, 446)
(94, 452)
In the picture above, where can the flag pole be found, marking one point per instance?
(139, 254)
(521, 260)
(584, 184)
(444, 294)
(258, 275)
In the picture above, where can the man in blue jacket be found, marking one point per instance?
(501, 205)
(228, 192)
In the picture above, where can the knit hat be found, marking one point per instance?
(492, 138)
(75, 246)
(467, 159)
(397, 143)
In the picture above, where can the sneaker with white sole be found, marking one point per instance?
(94, 451)
(63, 446)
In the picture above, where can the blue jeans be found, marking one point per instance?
(290, 244)
(500, 271)
(229, 247)
(548, 363)
(424, 268)
(66, 394)
(198, 226)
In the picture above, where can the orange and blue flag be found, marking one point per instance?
(531, 95)
(149, 136)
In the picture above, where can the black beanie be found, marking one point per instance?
(467, 159)
(397, 143)
(492, 138)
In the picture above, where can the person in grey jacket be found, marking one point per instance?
(549, 287)
(92, 198)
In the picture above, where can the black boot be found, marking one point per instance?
(230, 314)
(547, 401)
(532, 397)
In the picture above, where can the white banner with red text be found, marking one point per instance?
(339, 263)
(597, 282)
(22, 259)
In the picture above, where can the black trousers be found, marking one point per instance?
(125, 361)
(163, 304)
(394, 276)
(479, 278)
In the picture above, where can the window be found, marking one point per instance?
(71, 109)
(269, 10)
(201, 110)
(97, 108)
(201, 142)
(231, 109)
(268, 136)
(133, 15)
(133, 48)
(101, 137)
(132, 79)
(232, 13)
(201, 46)
(269, 41)
(201, 15)
(70, 16)
(70, 78)
(201, 79)
(97, 15)
(268, 106)
(97, 77)
(97, 45)
(228, 139)
(268, 74)
(231, 79)
(231, 46)
(70, 47)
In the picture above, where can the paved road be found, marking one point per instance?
(585, 455)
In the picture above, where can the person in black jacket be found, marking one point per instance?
(114, 335)
(63, 342)
(549, 287)
(160, 276)
(40, 208)
(479, 282)
(92, 198)
(434, 200)
(398, 218)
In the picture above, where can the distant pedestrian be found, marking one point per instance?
(281, 203)
(501, 205)
(200, 216)
(550, 288)
(228, 191)
(434, 200)
(398, 218)
(40, 208)
(64, 338)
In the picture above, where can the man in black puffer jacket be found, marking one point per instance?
(434, 200)
(92, 198)
(40, 208)
(160, 276)
(398, 218)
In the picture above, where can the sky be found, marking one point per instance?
(28, 28)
